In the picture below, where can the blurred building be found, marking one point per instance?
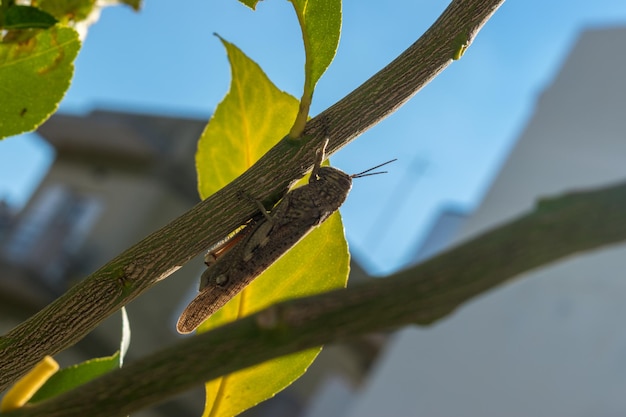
(550, 343)
(115, 179)
(445, 228)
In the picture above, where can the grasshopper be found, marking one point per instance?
(235, 264)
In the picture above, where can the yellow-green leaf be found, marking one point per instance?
(35, 73)
(253, 116)
(251, 119)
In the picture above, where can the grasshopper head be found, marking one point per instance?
(332, 187)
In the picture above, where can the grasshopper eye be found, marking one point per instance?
(221, 280)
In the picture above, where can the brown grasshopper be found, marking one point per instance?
(233, 265)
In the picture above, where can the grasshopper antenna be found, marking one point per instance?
(367, 172)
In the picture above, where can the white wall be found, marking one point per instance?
(551, 343)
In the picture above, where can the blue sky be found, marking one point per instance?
(450, 138)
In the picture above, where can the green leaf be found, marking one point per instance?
(461, 43)
(320, 21)
(27, 17)
(250, 3)
(68, 10)
(34, 75)
(73, 376)
(135, 4)
(253, 116)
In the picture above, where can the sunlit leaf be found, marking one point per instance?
(253, 116)
(35, 73)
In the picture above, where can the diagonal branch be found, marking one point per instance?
(557, 228)
(77, 312)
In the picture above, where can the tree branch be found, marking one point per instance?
(77, 312)
(557, 228)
